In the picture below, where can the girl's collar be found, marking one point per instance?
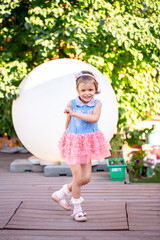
(81, 104)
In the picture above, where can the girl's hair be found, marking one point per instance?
(85, 76)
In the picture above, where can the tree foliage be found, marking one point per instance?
(120, 38)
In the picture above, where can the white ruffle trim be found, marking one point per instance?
(66, 190)
(77, 201)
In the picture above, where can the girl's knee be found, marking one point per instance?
(86, 180)
(78, 180)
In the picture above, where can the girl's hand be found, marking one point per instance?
(68, 111)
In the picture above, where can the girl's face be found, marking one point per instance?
(86, 91)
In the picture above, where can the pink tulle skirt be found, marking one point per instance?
(81, 148)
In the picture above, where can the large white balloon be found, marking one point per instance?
(38, 115)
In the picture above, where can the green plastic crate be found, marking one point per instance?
(117, 172)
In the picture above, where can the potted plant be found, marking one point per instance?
(116, 146)
(116, 163)
(134, 139)
(117, 168)
(135, 167)
(137, 137)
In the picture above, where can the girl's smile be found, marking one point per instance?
(86, 91)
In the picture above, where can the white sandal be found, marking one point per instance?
(62, 202)
(80, 217)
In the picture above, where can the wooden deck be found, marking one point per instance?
(115, 210)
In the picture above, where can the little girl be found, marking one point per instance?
(81, 142)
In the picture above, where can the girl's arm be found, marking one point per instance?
(94, 117)
(68, 116)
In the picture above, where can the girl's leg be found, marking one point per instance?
(76, 200)
(86, 175)
(86, 172)
(74, 187)
(77, 180)
(81, 176)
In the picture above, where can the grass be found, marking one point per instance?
(153, 179)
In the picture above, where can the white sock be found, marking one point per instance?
(66, 190)
(77, 204)
(77, 208)
(63, 192)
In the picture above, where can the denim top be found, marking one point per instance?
(77, 125)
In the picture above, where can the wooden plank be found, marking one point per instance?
(143, 215)
(77, 235)
(34, 187)
(45, 216)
